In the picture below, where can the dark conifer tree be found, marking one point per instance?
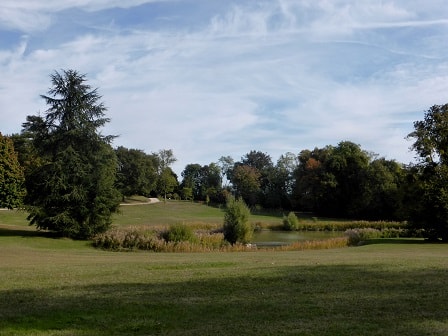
(72, 192)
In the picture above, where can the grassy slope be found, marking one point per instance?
(63, 287)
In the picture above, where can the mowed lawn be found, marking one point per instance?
(173, 212)
(52, 286)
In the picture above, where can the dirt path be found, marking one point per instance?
(151, 200)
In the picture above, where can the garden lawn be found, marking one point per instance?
(62, 287)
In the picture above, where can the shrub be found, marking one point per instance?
(290, 222)
(177, 238)
(180, 233)
(236, 222)
(357, 236)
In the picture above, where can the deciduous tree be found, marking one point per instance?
(246, 181)
(12, 188)
(431, 144)
(167, 180)
(137, 172)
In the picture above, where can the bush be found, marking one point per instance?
(180, 233)
(177, 238)
(236, 222)
(290, 222)
(358, 236)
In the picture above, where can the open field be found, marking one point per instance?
(54, 286)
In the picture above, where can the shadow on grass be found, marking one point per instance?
(311, 300)
(408, 241)
(7, 232)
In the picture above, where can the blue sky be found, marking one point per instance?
(211, 78)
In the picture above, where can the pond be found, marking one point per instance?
(277, 238)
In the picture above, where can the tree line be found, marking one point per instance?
(70, 178)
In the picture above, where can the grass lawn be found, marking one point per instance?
(54, 286)
(173, 212)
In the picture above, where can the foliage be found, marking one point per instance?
(290, 222)
(137, 171)
(226, 164)
(180, 232)
(358, 236)
(12, 178)
(167, 179)
(431, 187)
(204, 181)
(73, 191)
(177, 238)
(167, 182)
(347, 182)
(246, 181)
(339, 225)
(237, 227)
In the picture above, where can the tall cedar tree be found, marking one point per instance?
(72, 192)
(11, 175)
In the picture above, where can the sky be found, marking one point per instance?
(212, 78)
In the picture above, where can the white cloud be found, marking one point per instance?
(30, 15)
(274, 76)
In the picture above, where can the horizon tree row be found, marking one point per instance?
(71, 179)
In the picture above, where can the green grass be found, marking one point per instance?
(171, 212)
(52, 286)
(62, 287)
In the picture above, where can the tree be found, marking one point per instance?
(192, 179)
(167, 178)
(167, 182)
(204, 181)
(431, 145)
(347, 166)
(278, 191)
(246, 181)
(313, 185)
(236, 222)
(225, 164)
(166, 158)
(258, 160)
(12, 178)
(383, 195)
(211, 183)
(73, 191)
(137, 173)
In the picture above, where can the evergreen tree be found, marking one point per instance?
(73, 191)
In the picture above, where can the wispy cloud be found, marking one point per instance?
(274, 76)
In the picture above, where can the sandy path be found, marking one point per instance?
(151, 200)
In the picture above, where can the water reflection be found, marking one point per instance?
(277, 238)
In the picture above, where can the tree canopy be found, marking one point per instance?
(74, 179)
(73, 191)
(12, 179)
(137, 171)
(431, 188)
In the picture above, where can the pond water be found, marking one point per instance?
(277, 238)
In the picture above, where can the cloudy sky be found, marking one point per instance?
(211, 78)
